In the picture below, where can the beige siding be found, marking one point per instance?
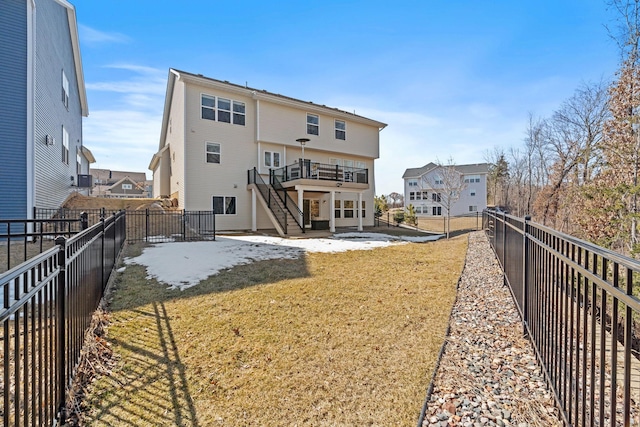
(284, 124)
(238, 154)
(175, 140)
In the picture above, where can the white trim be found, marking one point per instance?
(31, 123)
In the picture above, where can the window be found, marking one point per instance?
(418, 209)
(471, 178)
(227, 109)
(473, 209)
(78, 162)
(238, 113)
(65, 90)
(438, 181)
(336, 207)
(472, 192)
(224, 110)
(437, 210)
(436, 197)
(341, 130)
(65, 146)
(271, 159)
(127, 186)
(412, 195)
(413, 183)
(348, 208)
(213, 152)
(224, 205)
(313, 122)
(362, 209)
(425, 195)
(208, 107)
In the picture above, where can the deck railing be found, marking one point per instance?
(306, 169)
(580, 308)
(46, 305)
(253, 177)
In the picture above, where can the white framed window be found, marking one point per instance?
(78, 162)
(412, 195)
(239, 113)
(313, 124)
(471, 178)
(65, 146)
(65, 90)
(208, 107)
(224, 110)
(127, 186)
(337, 209)
(212, 152)
(363, 210)
(425, 195)
(413, 183)
(473, 209)
(341, 130)
(348, 208)
(335, 161)
(472, 192)
(224, 205)
(271, 159)
(438, 181)
(436, 197)
(436, 210)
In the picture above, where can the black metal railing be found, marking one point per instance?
(288, 202)
(279, 212)
(306, 169)
(580, 308)
(150, 225)
(46, 305)
(20, 239)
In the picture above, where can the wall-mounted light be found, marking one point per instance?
(338, 184)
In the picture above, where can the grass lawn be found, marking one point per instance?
(328, 339)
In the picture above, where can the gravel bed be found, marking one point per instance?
(488, 374)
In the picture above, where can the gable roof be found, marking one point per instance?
(175, 74)
(123, 180)
(477, 168)
(77, 59)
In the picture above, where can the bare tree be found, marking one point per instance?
(447, 183)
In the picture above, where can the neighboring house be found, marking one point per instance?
(219, 140)
(42, 102)
(423, 188)
(106, 183)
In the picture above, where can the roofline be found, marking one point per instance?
(77, 58)
(88, 154)
(274, 97)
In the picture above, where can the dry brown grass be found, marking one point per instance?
(329, 339)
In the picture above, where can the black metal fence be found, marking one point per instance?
(580, 308)
(46, 306)
(20, 239)
(150, 225)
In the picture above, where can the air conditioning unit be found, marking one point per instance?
(85, 181)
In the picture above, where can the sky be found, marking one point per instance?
(453, 79)
(199, 260)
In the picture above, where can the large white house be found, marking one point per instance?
(424, 188)
(262, 160)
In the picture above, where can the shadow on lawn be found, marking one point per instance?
(151, 387)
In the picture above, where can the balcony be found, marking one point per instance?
(323, 175)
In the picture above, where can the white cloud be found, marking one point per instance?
(93, 37)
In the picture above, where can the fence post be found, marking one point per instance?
(146, 225)
(84, 220)
(102, 254)
(525, 275)
(184, 225)
(60, 326)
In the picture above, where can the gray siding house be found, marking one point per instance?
(423, 189)
(42, 102)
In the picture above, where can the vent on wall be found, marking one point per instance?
(85, 181)
(49, 140)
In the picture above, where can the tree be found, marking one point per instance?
(410, 216)
(498, 178)
(381, 204)
(612, 200)
(450, 184)
(398, 199)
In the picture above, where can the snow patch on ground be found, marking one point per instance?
(182, 265)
